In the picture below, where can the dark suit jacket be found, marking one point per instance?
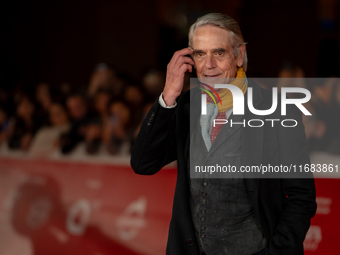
(283, 206)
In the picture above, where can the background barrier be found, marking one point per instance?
(69, 207)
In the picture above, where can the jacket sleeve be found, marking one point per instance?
(298, 189)
(155, 145)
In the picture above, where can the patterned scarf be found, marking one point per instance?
(225, 94)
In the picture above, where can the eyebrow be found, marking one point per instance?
(197, 51)
(219, 49)
(213, 50)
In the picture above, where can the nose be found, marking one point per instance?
(210, 62)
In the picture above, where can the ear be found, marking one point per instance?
(241, 55)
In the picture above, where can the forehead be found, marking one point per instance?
(210, 37)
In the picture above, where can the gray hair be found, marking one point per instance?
(227, 23)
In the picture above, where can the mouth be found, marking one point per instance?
(211, 76)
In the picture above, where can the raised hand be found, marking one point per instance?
(176, 69)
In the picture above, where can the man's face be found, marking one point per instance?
(213, 54)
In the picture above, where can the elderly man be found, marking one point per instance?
(236, 216)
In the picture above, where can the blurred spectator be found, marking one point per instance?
(290, 70)
(104, 77)
(134, 96)
(47, 138)
(58, 115)
(25, 125)
(291, 75)
(153, 83)
(93, 135)
(77, 109)
(77, 106)
(100, 104)
(94, 128)
(44, 100)
(118, 129)
(42, 95)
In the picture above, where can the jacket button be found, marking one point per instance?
(203, 236)
(202, 219)
(205, 184)
(203, 227)
(204, 193)
(189, 242)
(148, 124)
(204, 201)
(204, 211)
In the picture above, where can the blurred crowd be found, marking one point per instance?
(105, 116)
(102, 118)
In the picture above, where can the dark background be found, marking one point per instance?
(62, 41)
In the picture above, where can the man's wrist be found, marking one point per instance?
(162, 102)
(169, 97)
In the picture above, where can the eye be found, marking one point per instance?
(219, 53)
(199, 54)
